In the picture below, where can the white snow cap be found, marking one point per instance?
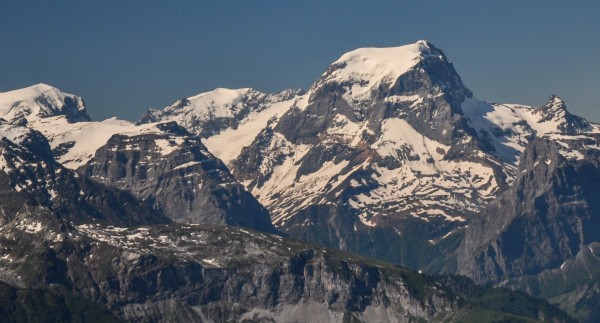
(367, 68)
(220, 96)
(219, 103)
(382, 62)
(37, 101)
(28, 94)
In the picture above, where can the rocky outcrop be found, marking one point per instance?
(546, 218)
(29, 170)
(555, 111)
(173, 172)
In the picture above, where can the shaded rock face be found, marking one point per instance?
(40, 305)
(176, 174)
(30, 170)
(546, 218)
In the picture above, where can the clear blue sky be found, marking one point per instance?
(126, 56)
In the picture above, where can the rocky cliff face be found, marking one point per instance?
(546, 218)
(174, 172)
(28, 169)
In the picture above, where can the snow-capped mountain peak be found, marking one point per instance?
(555, 108)
(555, 112)
(218, 102)
(364, 70)
(221, 95)
(40, 101)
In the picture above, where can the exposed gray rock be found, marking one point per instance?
(544, 219)
(178, 273)
(29, 169)
(175, 174)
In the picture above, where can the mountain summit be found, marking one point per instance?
(555, 112)
(40, 101)
(365, 71)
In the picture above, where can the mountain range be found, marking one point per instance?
(238, 205)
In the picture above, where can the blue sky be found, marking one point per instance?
(124, 57)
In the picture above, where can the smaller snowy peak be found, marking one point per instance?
(209, 113)
(555, 108)
(555, 112)
(219, 97)
(220, 102)
(41, 101)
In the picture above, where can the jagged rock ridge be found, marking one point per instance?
(28, 169)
